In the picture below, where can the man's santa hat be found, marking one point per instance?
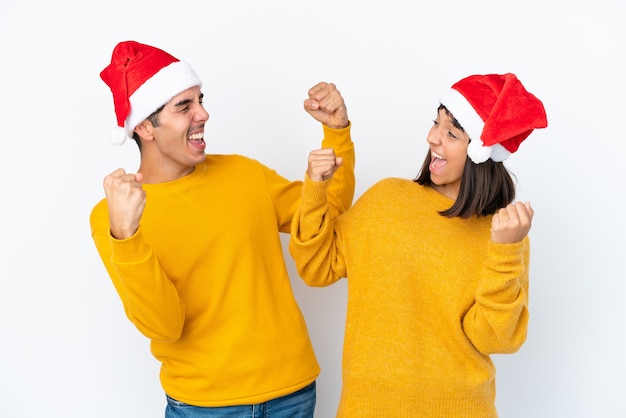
(143, 78)
(496, 112)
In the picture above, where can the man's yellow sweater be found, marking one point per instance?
(205, 279)
(429, 299)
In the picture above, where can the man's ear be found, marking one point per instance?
(145, 130)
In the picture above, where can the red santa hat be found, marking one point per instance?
(496, 112)
(143, 78)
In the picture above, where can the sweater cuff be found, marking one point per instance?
(506, 267)
(313, 207)
(506, 253)
(338, 139)
(129, 250)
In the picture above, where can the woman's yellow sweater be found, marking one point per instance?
(429, 299)
(205, 279)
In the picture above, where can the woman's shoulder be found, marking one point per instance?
(393, 185)
(390, 188)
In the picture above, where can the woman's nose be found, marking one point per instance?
(434, 136)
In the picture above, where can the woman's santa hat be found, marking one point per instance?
(143, 78)
(496, 112)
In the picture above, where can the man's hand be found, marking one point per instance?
(512, 223)
(323, 164)
(327, 106)
(126, 200)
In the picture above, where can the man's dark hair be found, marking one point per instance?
(154, 120)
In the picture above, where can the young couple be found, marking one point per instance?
(437, 266)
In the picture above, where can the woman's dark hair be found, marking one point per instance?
(154, 120)
(485, 187)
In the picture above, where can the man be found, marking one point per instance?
(191, 242)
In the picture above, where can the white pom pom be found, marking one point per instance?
(499, 153)
(118, 136)
(477, 152)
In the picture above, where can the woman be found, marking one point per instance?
(437, 267)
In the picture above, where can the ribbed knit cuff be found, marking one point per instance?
(129, 250)
(313, 207)
(505, 270)
(339, 139)
(506, 257)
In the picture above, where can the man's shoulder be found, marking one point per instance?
(228, 158)
(238, 161)
(99, 215)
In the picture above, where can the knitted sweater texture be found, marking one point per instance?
(205, 280)
(429, 299)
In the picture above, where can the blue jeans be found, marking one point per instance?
(300, 404)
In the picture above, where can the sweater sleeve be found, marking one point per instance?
(314, 243)
(497, 322)
(341, 190)
(149, 298)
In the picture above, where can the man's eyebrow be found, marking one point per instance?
(185, 102)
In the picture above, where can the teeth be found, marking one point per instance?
(435, 155)
(199, 135)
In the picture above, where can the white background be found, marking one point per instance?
(66, 348)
